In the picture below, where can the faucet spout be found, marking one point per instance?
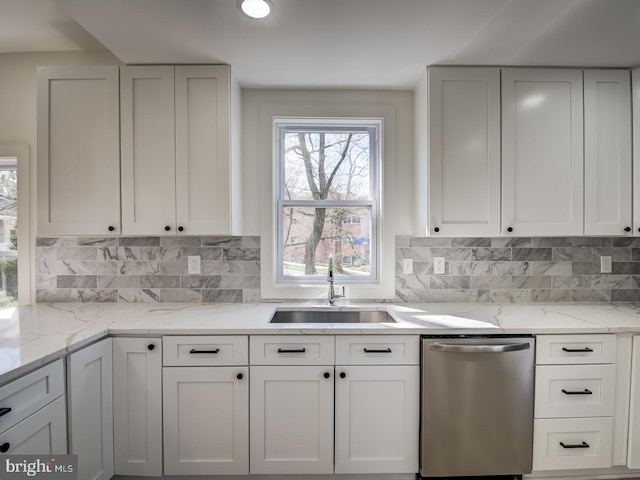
(331, 295)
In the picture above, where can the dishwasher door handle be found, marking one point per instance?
(460, 348)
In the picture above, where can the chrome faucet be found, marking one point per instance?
(331, 297)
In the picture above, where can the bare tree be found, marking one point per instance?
(319, 187)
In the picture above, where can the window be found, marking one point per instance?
(327, 191)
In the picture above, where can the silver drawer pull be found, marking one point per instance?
(458, 348)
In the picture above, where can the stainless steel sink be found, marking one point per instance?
(328, 316)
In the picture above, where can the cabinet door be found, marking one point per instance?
(377, 419)
(542, 152)
(607, 152)
(137, 406)
(291, 419)
(633, 457)
(78, 151)
(202, 96)
(206, 420)
(464, 151)
(148, 150)
(91, 410)
(44, 432)
(635, 88)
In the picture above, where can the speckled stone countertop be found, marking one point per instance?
(37, 334)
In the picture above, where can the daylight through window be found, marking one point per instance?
(328, 192)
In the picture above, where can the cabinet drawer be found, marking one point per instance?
(575, 391)
(571, 349)
(43, 433)
(30, 393)
(292, 350)
(377, 350)
(587, 443)
(205, 350)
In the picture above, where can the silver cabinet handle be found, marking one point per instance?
(459, 348)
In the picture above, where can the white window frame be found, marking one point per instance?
(26, 221)
(374, 128)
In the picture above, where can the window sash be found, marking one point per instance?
(373, 128)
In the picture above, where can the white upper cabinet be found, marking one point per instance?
(148, 150)
(177, 160)
(203, 156)
(607, 152)
(78, 151)
(542, 152)
(635, 75)
(464, 151)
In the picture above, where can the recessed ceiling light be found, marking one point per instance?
(255, 8)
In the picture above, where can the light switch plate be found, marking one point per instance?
(438, 265)
(193, 264)
(605, 264)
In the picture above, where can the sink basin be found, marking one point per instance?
(328, 316)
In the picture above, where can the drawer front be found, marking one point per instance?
(587, 443)
(30, 393)
(43, 433)
(292, 350)
(377, 350)
(205, 350)
(575, 391)
(574, 349)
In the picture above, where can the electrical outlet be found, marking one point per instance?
(438, 265)
(605, 264)
(193, 262)
(407, 266)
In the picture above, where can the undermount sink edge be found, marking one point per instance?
(331, 315)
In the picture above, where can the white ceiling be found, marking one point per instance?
(333, 43)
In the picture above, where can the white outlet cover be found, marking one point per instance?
(193, 264)
(407, 266)
(605, 264)
(438, 265)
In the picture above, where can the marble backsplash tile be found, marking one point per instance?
(520, 270)
(147, 269)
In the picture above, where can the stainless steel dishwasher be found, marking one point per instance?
(477, 406)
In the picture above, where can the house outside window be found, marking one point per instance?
(328, 192)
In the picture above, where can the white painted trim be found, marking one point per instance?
(388, 150)
(26, 222)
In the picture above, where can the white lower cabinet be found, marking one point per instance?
(366, 410)
(572, 443)
(91, 410)
(206, 410)
(137, 406)
(44, 432)
(575, 402)
(33, 413)
(633, 454)
(291, 419)
(377, 418)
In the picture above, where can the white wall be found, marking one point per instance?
(395, 107)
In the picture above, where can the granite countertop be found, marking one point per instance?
(37, 334)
